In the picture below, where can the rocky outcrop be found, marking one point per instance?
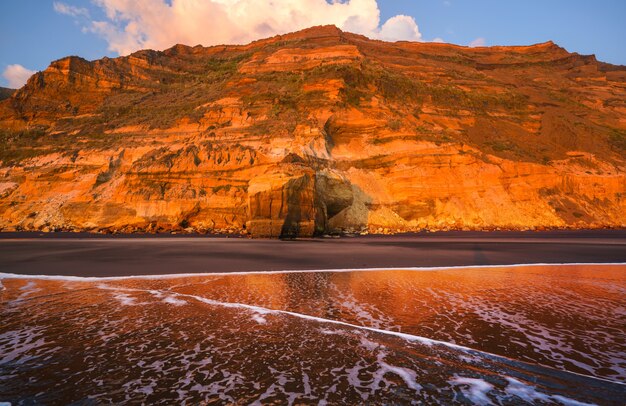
(289, 205)
(317, 132)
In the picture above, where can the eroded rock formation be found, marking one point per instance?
(316, 132)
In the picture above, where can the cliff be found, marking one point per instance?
(317, 132)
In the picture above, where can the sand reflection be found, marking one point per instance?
(507, 334)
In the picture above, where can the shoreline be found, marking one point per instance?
(73, 278)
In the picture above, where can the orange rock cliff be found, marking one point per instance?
(319, 131)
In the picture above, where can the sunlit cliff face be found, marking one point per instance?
(316, 132)
(509, 334)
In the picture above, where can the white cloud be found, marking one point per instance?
(131, 25)
(400, 27)
(69, 10)
(17, 75)
(478, 42)
(438, 40)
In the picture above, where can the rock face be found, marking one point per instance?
(317, 132)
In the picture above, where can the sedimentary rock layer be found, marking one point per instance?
(316, 132)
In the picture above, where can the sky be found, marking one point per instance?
(35, 32)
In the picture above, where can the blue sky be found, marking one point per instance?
(35, 32)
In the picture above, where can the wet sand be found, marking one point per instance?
(92, 255)
(495, 335)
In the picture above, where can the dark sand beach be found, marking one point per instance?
(494, 334)
(121, 255)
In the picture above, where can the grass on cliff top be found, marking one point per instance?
(5, 93)
(188, 83)
(398, 87)
(175, 94)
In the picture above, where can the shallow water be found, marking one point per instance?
(495, 335)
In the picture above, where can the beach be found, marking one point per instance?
(123, 255)
(442, 318)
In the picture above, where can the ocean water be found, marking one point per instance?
(543, 334)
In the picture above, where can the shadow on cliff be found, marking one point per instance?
(330, 204)
(296, 213)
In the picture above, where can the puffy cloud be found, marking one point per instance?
(438, 40)
(17, 75)
(478, 42)
(158, 24)
(69, 10)
(400, 27)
